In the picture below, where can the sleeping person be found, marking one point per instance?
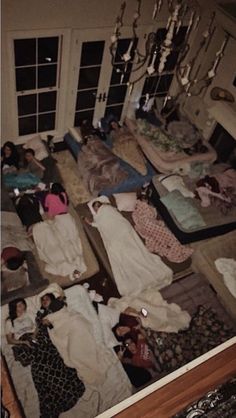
(133, 266)
(59, 246)
(56, 201)
(158, 238)
(58, 386)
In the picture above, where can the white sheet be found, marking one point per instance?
(227, 267)
(59, 245)
(162, 316)
(133, 266)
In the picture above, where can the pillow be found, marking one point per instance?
(175, 182)
(38, 146)
(125, 201)
(103, 199)
(76, 133)
(108, 317)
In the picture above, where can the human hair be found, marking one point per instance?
(51, 296)
(14, 153)
(94, 203)
(30, 151)
(118, 337)
(14, 263)
(12, 308)
(58, 190)
(10, 145)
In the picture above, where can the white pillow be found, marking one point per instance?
(108, 317)
(38, 146)
(125, 201)
(103, 199)
(175, 182)
(76, 133)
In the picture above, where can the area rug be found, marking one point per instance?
(218, 403)
(73, 183)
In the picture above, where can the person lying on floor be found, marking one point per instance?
(158, 238)
(59, 246)
(58, 386)
(133, 266)
(56, 201)
(174, 349)
(20, 327)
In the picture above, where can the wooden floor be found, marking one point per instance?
(175, 396)
(9, 398)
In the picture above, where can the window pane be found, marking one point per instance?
(150, 85)
(25, 51)
(25, 78)
(27, 125)
(92, 53)
(116, 94)
(47, 50)
(116, 77)
(88, 77)
(86, 99)
(114, 110)
(27, 104)
(165, 83)
(86, 115)
(47, 76)
(46, 122)
(47, 101)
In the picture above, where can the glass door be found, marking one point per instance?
(98, 87)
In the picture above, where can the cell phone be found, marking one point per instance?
(17, 192)
(144, 312)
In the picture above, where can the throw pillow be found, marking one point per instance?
(38, 146)
(125, 201)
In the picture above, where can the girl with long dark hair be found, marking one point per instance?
(9, 155)
(57, 201)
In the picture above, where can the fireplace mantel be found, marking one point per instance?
(225, 115)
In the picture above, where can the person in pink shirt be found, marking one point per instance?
(56, 202)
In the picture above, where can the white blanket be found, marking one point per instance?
(96, 365)
(161, 315)
(133, 266)
(227, 267)
(59, 245)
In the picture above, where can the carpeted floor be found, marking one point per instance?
(72, 182)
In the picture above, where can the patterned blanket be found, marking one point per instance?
(58, 386)
(173, 350)
(99, 167)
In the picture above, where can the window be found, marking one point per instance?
(37, 75)
(158, 86)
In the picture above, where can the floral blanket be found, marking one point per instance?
(99, 167)
(126, 147)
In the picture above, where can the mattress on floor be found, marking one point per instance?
(168, 162)
(89, 258)
(179, 269)
(134, 180)
(204, 262)
(215, 222)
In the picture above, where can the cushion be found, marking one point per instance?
(38, 146)
(125, 201)
(76, 133)
(175, 182)
(103, 199)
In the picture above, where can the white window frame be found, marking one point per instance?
(63, 62)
